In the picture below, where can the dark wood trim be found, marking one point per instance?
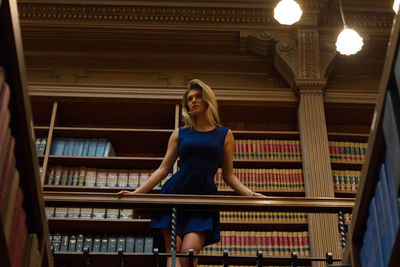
(49, 142)
(12, 59)
(195, 202)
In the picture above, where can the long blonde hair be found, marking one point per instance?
(208, 96)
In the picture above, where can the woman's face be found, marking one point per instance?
(196, 103)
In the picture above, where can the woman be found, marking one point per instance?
(203, 146)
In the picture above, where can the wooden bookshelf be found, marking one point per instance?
(373, 160)
(12, 60)
(139, 130)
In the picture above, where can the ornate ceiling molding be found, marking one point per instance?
(144, 15)
(221, 14)
(367, 20)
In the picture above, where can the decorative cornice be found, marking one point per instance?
(160, 92)
(144, 15)
(191, 13)
(368, 20)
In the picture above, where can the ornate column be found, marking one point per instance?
(303, 59)
(323, 228)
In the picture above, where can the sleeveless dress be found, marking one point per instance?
(201, 155)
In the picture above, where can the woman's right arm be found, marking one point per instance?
(162, 171)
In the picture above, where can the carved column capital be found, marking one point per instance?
(258, 42)
(310, 86)
(286, 59)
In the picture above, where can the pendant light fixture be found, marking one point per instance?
(287, 12)
(349, 42)
(396, 5)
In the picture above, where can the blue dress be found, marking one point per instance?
(201, 155)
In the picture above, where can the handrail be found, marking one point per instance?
(202, 202)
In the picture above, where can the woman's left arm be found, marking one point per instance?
(227, 169)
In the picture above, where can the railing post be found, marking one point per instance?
(225, 260)
(259, 258)
(342, 230)
(121, 257)
(86, 256)
(155, 253)
(329, 258)
(173, 237)
(293, 261)
(191, 257)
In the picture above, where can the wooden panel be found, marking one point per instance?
(272, 117)
(349, 118)
(119, 113)
(41, 111)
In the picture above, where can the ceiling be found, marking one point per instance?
(151, 33)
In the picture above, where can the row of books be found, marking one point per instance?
(90, 213)
(82, 176)
(12, 214)
(266, 179)
(266, 217)
(347, 151)
(267, 150)
(245, 243)
(383, 221)
(346, 180)
(91, 147)
(40, 144)
(101, 243)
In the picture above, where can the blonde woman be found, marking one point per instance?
(203, 146)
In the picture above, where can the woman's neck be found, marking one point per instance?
(202, 124)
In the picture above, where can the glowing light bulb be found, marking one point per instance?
(396, 5)
(349, 42)
(287, 12)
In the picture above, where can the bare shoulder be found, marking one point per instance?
(175, 134)
(229, 137)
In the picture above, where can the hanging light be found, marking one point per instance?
(396, 5)
(349, 42)
(287, 12)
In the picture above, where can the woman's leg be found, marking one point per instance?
(194, 240)
(167, 240)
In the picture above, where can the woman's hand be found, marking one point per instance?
(125, 192)
(259, 195)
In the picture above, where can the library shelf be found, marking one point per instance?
(107, 162)
(257, 163)
(348, 137)
(346, 194)
(98, 225)
(346, 165)
(281, 135)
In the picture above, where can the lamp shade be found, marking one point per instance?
(287, 12)
(349, 42)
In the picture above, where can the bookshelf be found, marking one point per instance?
(36, 250)
(348, 126)
(370, 176)
(151, 121)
